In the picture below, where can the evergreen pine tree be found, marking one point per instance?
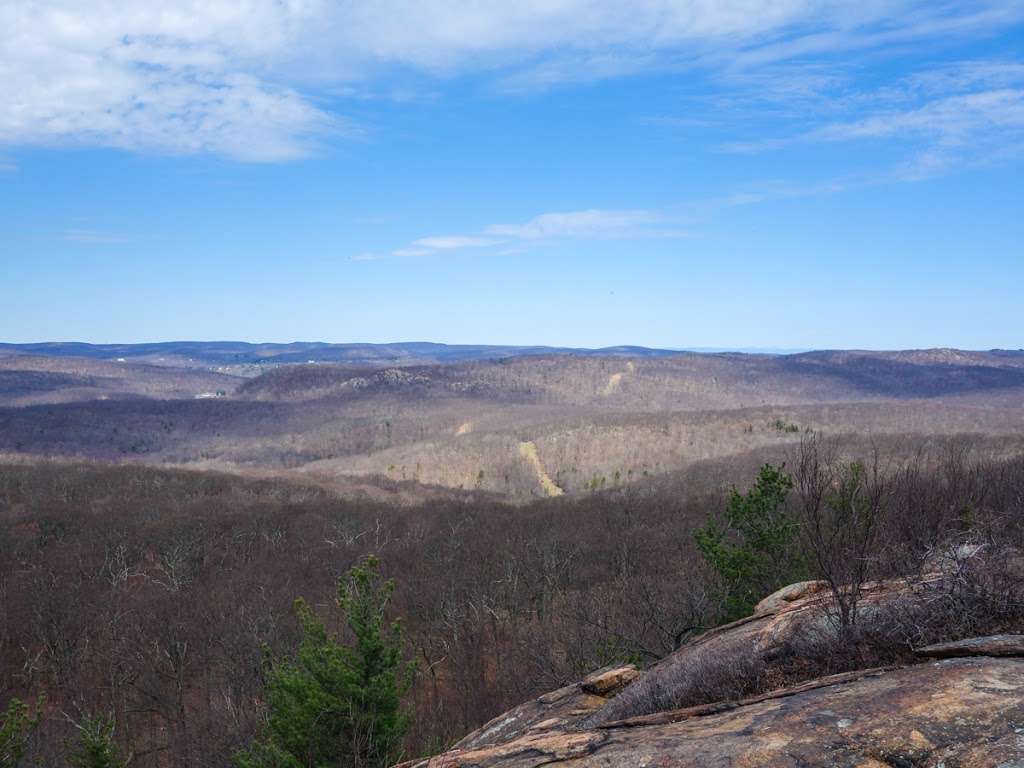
(754, 552)
(339, 705)
(96, 747)
(16, 728)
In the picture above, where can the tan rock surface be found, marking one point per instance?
(610, 681)
(562, 708)
(793, 612)
(995, 645)
(960, 712)
(789, 594)
(964, 712)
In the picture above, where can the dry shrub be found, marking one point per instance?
(965, 588)
(719, 672)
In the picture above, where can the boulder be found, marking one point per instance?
(608, 682)
(789, 594)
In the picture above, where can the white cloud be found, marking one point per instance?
(181, 77)
(963, 129)
(451, 242)
(570, 224)
(566, 35)
(964, 113)
(425, 246)
(833, 27)
(952, 120)
(589, 223)
(240, 78)
(411, 252)
(965, 76)
(766, 192)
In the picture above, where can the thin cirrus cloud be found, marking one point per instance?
(451, 242)
(411, 252)
(966, 113)
(245, 80)
(969, 129)
(426, 246)
(591, 223)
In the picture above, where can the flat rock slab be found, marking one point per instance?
(993, 645)
(955, 712)
(564, 707)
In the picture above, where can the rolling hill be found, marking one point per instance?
(525, 425)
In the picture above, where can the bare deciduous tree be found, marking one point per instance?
(841, 507)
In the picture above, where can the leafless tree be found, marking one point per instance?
(841, 508)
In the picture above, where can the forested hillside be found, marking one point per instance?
(150, 593)
(586, 423)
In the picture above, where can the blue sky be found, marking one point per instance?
(677, 173)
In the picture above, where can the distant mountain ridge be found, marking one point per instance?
(215, 354)
(512, 421)
(225, 353)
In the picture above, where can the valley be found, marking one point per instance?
(589, 421)
(541, 514)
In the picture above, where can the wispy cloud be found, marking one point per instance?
(770, 191)
(960, 114)
(412, 252)
(832, 28)
(962, 76)
(425, 246)
(580, 68)
(260, 81)
(179, 78)
(951, 120)
(590, 223)
(680, 122)
(452, 242)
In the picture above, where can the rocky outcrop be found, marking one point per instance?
(957, 712)
(719, 659)
(560, 709)
(963, 705)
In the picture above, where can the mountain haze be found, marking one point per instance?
(587, 419)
